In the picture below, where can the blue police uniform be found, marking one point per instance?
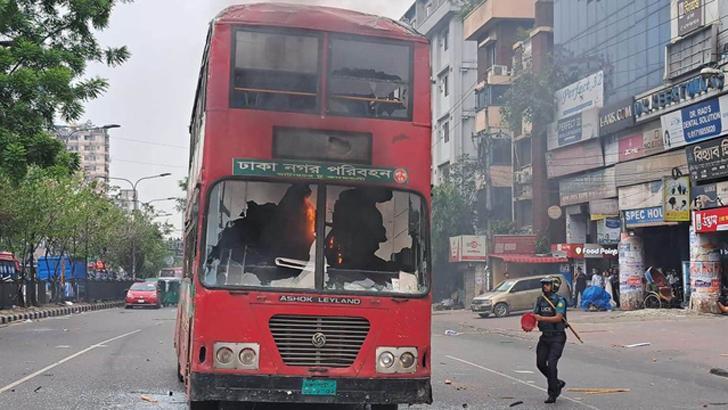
(551, 344)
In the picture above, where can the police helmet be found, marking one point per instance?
(555, 283)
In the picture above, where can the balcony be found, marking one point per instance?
(499, 74)
(488, 118)
(438, 14)
(491, 11)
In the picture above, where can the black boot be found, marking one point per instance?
(562, 384)
(551, 399)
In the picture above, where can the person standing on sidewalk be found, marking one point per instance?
(550, 318)
(580, 285)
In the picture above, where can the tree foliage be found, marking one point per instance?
(531, 97)
(467, 7)
(67, 216)
(45, 47)
(453, 208)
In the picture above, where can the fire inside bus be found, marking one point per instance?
(306, 249)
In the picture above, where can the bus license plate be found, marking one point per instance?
(319, 387)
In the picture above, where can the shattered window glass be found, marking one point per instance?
(261, 234)
(375, 240)
(369, 79)
(275, 71)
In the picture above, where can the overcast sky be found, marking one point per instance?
(151, 95)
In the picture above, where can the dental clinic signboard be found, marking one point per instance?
(698, 122)
(580, 96)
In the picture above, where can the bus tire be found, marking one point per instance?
(180, 377)
(203, 405)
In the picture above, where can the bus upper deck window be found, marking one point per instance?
(275, 71)
(370, 79)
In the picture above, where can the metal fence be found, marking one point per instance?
(76, 290)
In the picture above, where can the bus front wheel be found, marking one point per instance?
(204, 405)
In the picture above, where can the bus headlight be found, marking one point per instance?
(386, 360)
(407, 360)
(247, 356)
(224, 355)
(239, 356)
(391, 360)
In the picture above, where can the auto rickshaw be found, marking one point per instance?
(168, 289)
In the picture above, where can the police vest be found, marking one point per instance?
(545, 309)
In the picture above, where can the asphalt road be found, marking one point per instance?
(109, 359)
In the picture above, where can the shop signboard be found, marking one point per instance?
(653, 142)
(468, 248)
(514, 244)
(575, 158)
(616, 117)
(709, 196)
(568, 250)
(689, 16)
(710, 220)
(708, 160)
(678, 93)
(603, 208)
(598, 184)
(580, 96)
(573, 129)
(608, 231)
(645, 195)
(698, 122)
(650, 168)
(634, 218)
(676, 199)
(632, 147)
(596, 251)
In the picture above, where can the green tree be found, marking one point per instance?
(45, 47)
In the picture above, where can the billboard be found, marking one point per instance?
(580, 96)
(468, 248)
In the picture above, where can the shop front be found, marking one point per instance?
(514, 256)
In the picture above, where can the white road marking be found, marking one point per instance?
(497, 373)
(60, 362)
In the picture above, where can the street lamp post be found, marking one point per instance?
(135, 199)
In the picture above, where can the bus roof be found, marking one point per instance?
(317, 18)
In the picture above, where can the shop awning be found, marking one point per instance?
(518, 258)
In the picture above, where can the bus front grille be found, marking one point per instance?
(300, 342)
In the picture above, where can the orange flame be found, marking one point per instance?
(311, 218)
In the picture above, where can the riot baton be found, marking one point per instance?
(564, 319)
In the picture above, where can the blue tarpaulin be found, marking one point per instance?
(597, 296)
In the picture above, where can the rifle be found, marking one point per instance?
(564, 319)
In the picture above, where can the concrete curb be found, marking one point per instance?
(59, 311)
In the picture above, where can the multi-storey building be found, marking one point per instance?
(92, 147)
(454, 72)
(495, 26)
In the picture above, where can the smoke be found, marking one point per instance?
(388, 8)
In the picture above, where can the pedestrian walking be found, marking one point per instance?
(580, 286)
(550, 313)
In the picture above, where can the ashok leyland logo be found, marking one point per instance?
(318, 339)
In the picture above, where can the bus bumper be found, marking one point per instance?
(287, 389)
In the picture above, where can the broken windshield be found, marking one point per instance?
(369, 79)
(263, 234)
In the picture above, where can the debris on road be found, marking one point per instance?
(515, 404)
(448, 382)
(450, 332)
(719, 372)
(638, 345)
(524, 371)
(724, 355)
(149, 399)
(69, 303)
(28, 321)
(597, 391)
(37, 389)
(654, 359)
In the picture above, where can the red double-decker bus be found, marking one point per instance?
(307, 272)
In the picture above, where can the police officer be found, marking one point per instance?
(553, 334)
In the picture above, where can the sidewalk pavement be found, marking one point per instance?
(8, 316)
(672, 334)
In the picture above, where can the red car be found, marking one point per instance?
(143, 294)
